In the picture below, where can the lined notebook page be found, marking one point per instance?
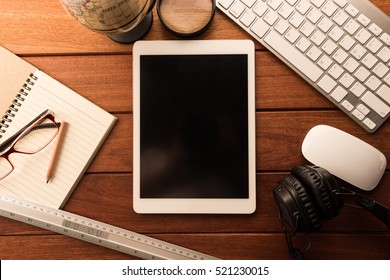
(88, 126)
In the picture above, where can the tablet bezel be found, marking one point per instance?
(195, 205)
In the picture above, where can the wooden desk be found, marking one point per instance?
(287, 107)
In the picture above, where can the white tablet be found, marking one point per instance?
(194, 126)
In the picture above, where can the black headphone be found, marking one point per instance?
(311, 194)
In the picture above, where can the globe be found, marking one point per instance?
(124, 21)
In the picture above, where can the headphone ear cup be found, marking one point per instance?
(296, 205)
(322, 187)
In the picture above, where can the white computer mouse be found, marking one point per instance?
(344, 156)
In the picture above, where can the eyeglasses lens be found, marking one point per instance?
(32, 141)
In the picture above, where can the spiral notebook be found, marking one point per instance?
(26, 92)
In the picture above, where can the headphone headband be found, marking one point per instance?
(377, 209)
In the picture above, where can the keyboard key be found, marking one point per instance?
(338, 94)
(335, 71)
(247, 18)
(369, 123)
(374, 45)
(384, 54)
(347, 105)
(375, 29)
(249, 3)
(340, 17)
(260, 9)
(325, 62)
(359, 115)
(347, 80)
(336, 33)
(296, 20)
(237, 9)
(285, 11)
(282, 26)
(347, 42)
(340, 56)
(329, 46)
(387, 79)
(314, 53)
(260, 28)
(303, 44)
(363, 109)
(373, 83)
(362, 36)
(352, 10)
(365, 21)
(381, 70)
(384, 92)
(317, 3)
(351, 27)
(327, 84)
(362, 74)
(274, 4)
(292, 55)
(292, 2)
(292, 35)
(351, 65)
(358, 52)
(314, 15)
(271, 17)
(329, 8)
(341, 3)
(358, 89)
(376, 104)
(385, 38)
(318, 38)
(325, 24)
(303, 6)
(369, 60)
(225, 3)
(307, 29)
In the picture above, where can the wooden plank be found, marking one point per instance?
(108, 198)
(279, 137)
(57, 32)
(116, 154)
(107, 81)
(25, 29)
(111, 195)
(224, 246)
(279, 87)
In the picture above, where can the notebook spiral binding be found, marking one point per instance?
(17, 102)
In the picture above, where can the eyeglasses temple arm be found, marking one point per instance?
(10, 140)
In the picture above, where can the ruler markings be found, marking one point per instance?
(93, 231)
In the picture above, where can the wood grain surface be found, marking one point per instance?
(44, 34)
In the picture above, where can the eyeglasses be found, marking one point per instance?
(31, 139)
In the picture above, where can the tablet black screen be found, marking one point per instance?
(194, 126)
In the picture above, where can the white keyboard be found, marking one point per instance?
(341, 47)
